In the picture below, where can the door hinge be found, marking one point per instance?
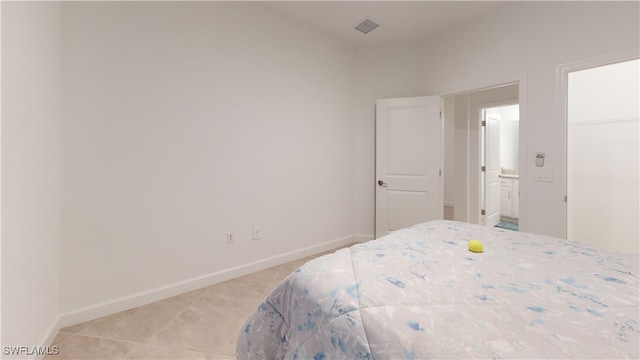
(484, 123)
(440, 172)
(440, 114)
(483, 168)
(482, 212)
(565, 198)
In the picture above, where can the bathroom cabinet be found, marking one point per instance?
(509, 196)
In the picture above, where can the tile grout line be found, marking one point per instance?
(164, 326)
(152, 339)
(127, 355)
(138, 345)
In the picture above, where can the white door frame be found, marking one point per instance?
(562, 87)
(473, 183)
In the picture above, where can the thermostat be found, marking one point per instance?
(540, 159)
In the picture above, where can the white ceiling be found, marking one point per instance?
(400, 21)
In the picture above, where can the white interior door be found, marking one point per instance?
(491, 178)
(408, 162)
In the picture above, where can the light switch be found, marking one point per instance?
(544, 175)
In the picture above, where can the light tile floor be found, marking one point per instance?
(201, 324)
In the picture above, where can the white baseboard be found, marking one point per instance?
(124, 303)
(360, 238)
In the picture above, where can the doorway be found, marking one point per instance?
(603, 191)
(463, 149)
(500, 172)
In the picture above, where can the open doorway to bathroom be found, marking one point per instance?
(500, 171)
(462, 115)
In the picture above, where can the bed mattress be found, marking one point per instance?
(419, 293)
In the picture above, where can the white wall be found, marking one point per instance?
(509, 133)
(30, 171)
(530, 39)
(459, 183)
(185, 121)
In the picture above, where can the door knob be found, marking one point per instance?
(382, 183)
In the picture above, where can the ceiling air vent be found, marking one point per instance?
(366, 26)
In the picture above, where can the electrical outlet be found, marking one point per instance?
(231, 237)
(257, 233)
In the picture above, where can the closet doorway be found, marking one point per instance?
(603, 183)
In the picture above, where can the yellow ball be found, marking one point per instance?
(475, 246)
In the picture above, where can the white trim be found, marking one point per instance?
(113, 306)
(49, 335)
(441, 196)
(145, 297)
(562, 76)
(508, 81)
(361, 238)
(522, 179)
(521, 80)
(605, 121)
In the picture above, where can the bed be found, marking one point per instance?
(419, 293)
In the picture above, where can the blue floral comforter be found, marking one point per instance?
(418, 293)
